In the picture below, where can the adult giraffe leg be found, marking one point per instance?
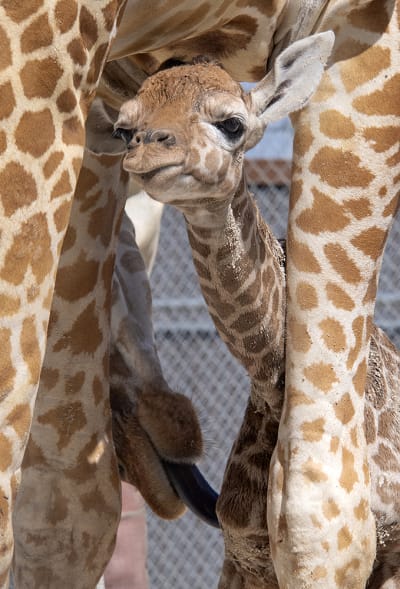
(68, 505)
(344, 195)
(52, 54)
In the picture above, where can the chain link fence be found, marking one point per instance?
(188, 553)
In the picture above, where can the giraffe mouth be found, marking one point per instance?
(193, 489)
(150, 162)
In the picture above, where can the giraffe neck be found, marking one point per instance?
(239, 265)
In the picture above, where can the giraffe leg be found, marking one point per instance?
(68, 504)
(242, 503)
(233, 577)
(45, 94)
(345, 192)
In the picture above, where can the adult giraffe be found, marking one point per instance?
(51, 58)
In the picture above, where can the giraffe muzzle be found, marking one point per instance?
(193, 489)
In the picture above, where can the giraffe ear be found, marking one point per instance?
(294, 78)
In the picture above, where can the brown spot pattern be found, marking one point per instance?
(304, 138)
(61, 216)
(66, 102)
(66, 12)
(8, 305)
(85, 275)
(33, 74)
(330, 509)
(5, 453)
(24, 188)
(30, 348)
(85, 335)
(62, 186)
(321, 375)
(302, 256)
(370, 242)
(20, 419)
(344, 538)
(372, 17)
(340, 168)
(313, 471)
(5, 53)
(306, 295)
(358, 207)
(296, 397)
(7, 370)
(31, 246)
(363, 67)
(19, 11)
(99, 224)
(339, 297)
(344, 409)
(348, 477)
(334, 445)
(361, 511)
(52, 163)
(325, 215)
(342, 263)
(369, 425)
(354, 437)
(333, 334)
(37, 34)
(360, 377)
(301, 340)
(67, 420)
(97, 62)
(313, 430)
(98, 390)
(88, 28)
(49, 377)
(382, 138)
(296, 190)
(383, 101)
(3, 142)
(318, 573)
(73, 132)
(77, 51)
(75, 383)
(358, 327)
(35, 132)
(7, 100)
(58, 508)
(335, 125)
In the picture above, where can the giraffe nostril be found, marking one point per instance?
(161, 137)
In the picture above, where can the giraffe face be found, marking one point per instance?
(189, 126)
(186, 132)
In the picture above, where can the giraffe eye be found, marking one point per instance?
(233, 127)
(124, 134)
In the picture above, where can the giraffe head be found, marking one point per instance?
(188, 127)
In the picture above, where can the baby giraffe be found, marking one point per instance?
(187, 131)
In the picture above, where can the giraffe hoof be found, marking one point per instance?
(193, 489)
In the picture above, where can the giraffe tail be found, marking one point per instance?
(193, 490)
